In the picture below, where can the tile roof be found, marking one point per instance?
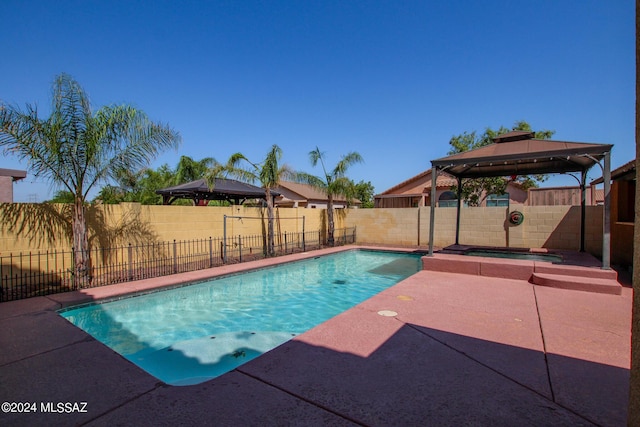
(14, 173)
(308, 192)
(443, 180)
(627, 168)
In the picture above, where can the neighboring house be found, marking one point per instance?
(555, 196)
(623, 199)
(7, 178)
(415, 192)
(295, 195)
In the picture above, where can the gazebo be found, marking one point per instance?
(519, 153)
(230, 190)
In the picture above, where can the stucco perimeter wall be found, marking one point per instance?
(198, 222)
(389, 226)
(119, 225)
(554, 227)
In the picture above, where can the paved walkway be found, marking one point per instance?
(462, 350)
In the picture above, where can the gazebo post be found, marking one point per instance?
(583, 208)
(432, 217)
(459, 195)
(606, 226)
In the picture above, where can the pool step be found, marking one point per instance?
(573, 270)
(577, 283)
(575, 277)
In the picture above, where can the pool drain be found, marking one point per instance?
(387, 313)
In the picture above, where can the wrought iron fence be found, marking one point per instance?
(25, 275)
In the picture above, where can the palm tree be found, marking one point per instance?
(334, 182)
(76, 149)
(189, 170)
(269, 173)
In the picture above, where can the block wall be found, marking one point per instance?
(6, 189)
(46, 226)
(556, 227)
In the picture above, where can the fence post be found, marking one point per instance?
(175, 257)
(130, 261)
(224, 240)
(240, 246)
(11, 264)
(210, 252)
(304, 249)
(73, 268)
(285, 242)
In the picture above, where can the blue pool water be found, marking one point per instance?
(193, 333)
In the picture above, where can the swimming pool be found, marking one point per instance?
(190, 334)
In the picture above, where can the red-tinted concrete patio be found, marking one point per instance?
(463, 349)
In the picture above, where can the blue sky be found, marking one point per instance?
(392, 80)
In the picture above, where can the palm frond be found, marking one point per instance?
(269, 173)
(306, 178)
(344, 164)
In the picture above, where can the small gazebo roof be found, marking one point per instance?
(224, 189)
(519, 153)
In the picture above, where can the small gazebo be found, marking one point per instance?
(519, 153)
(233, 191)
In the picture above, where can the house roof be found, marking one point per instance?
(308, 192)
(223, 189)
(443, 180)
(13, 173)
(519, 153)
(626, 171)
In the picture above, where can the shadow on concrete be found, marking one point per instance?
(417, 376)
(421, 375)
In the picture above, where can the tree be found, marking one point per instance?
(475, 190)
(140, 186)
(76, 149)
(363, 191)
(62, 196)
(189, 170)
(333, 183)
(269, 173)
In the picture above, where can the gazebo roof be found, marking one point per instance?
(519, 153)
(223, 189)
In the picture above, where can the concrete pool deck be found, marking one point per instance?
(462, 349)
